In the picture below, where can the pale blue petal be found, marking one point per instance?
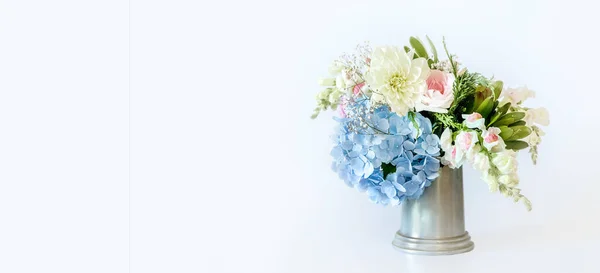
(383, 125)
(370, 155)
(388, 189)
(357, 164)
(363, 185)
(368, 169)
(373, 194)
(353, 154)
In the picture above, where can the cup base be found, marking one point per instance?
(444, 246)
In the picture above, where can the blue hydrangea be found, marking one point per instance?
(371, 136)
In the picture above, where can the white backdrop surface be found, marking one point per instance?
(63, 136)
(227, 171)
(279, 208)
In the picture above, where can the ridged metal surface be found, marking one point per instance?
(434, 224)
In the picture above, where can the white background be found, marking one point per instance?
(185, 145)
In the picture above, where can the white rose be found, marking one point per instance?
(537, 116)
(516, 95)
(505, 162)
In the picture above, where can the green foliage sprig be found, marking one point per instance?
(465, 86)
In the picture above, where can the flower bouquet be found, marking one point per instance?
(404, 114)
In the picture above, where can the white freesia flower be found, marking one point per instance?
(439, 94)
(492, 140)
(537, 116)
(516, 95)
(454, 157)
(474, 121)
(510, 180)
(446, 140)
(340, 83)
(534, 138)
(465, 141)
(327, 82)
(492, 181)
(506, 162)
(396, 79)
(481, 162)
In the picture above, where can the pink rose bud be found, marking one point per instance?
(437, 81)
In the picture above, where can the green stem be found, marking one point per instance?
(450, 58)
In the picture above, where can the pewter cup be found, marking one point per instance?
(434, 224)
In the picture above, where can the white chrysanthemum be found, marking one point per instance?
(397, 79)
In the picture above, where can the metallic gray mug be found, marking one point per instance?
(434, 224)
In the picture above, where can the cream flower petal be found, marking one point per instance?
(378, 57)
(404, 61)
(419, 70)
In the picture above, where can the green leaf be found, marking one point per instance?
(506, 132)
(407, 49)
(499, 113)
(516, 145)
(387, 168)
(497, 88)
(411, 116)
(486, 107)
(478, 98)
(480, 95)
(509, 118)
(494, 107)
(486, 91)
(516, 115)
(432, 46)
(419, 48)
(469, 103)
(518, 123)
(518, 132)
(504, 108)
